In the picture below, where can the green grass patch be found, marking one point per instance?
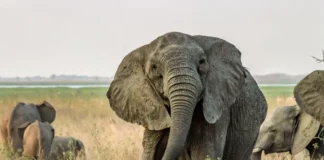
(277, 91)
(268, 91)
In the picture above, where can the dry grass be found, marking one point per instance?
(86, 115)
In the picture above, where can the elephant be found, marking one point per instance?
(62, 144)
(309, 94)
(289, 129)
(37, 139)
(17, 119)
(192, 95)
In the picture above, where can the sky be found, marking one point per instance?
(45, 37)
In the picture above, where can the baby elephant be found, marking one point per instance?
(37, 140)
(289, 129)
(66, 147)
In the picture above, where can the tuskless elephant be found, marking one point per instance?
(289, 129)
(15, 122)
(37, 139)
(192, 95)
(66, 147)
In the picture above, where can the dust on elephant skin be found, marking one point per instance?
(38, 138)
(290, 129)
(17, 119)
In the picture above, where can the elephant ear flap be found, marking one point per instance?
(132, 95)
(46, 112)
(79, 145)
(224, 80)
(309, 95)
(305, 132)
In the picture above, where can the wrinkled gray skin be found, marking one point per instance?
(285, 131)
(37, 139)
(16, 120)
(192, 95)
(62, 145)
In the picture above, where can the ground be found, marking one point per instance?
(85, 114)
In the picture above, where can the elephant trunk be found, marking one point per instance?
(182, 90)
(264, 142)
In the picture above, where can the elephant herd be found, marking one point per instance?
(196, 100)
(27, 130)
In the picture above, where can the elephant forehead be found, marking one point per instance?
(174, 38)
(283, 113)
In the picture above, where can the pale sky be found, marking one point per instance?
(44, 37)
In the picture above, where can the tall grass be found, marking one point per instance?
(85, 114)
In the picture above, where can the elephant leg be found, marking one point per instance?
(4, 131)
(4, 134)
(150, 144)
(207, 140)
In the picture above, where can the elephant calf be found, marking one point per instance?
(15, 121)
(289, 129)
(62, 145)
(37, 140)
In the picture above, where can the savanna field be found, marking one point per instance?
(85, 114)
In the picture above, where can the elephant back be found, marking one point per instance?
(62, 144)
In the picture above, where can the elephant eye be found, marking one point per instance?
(154, 67)
(202, 61)
(202, 66)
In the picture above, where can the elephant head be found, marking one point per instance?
(309, 94)
(288, 129)
(159, 84)
(24, 114)
(38, 138)
(67, 145)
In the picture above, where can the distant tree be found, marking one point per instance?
(320, 60)
(53, 76)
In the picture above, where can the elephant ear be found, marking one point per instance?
(309, 95)
(46, 112)
(305, 132)
(225, 78)
(79, 145)
(132, 95)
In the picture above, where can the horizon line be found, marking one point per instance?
(80, 75)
